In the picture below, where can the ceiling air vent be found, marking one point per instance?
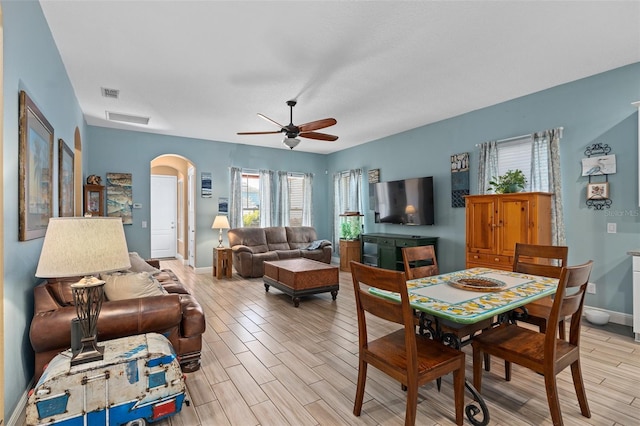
(110, 93)
(125, 118)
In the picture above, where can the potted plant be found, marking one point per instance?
(511, 181)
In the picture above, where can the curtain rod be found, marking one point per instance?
(520, 137)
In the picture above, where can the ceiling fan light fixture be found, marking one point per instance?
(291, 142)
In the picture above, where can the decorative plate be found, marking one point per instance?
(477, 283)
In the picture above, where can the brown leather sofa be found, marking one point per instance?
(252, 246)
(177, 315)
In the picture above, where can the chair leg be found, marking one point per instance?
(552, 398)
(477, 368)
(487, 362)
(458, 393)
(507, 371)
(576, 373)
(412, 403)
(562, 332)
(362, 378)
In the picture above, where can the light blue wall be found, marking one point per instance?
(31, 63)
(594, 109)
(131, 152)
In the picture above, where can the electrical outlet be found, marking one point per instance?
(612, 228)
(144, 223)
(591, 288)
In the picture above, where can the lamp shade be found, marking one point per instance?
(410, 209)
(79, 246)
(220, 222)
(291, 142)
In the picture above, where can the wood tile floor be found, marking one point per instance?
(265, 362)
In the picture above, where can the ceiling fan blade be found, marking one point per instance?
(316, 125)
(258, 133)
(319, 136)
(270, 120)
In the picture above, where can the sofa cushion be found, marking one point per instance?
(288, 254)
(300, 237)
(132, 285)
(276, 238)
(254, 239)
(138, 264)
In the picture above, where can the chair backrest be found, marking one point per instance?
(568, 301)
(363, 277)
(419, 262)
(546, 261)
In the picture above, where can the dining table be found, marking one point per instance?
(472, 295)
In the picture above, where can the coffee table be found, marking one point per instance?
(301, 277)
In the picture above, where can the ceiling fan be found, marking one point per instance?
(292, 131)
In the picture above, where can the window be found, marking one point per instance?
(296, 199)
(517, 155)
(250, 197)
(250, 200)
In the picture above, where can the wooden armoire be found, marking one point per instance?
(496, 222)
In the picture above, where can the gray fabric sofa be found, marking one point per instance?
(252, 246)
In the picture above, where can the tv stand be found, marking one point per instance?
(385, 250)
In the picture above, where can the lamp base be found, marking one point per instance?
(220, 239)
(89, 352)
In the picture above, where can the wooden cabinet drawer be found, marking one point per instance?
(491, 260)
(408, 243)
(388, 242)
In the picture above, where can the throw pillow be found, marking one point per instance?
(131, 285)
(138, 264)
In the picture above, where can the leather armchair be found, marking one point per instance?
(177, 315)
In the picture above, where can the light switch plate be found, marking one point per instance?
(612, 228)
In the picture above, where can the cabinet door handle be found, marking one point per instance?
(497, 259)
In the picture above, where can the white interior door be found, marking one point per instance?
(163, 216)
(191, 218)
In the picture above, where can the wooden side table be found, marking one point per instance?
(222, 262)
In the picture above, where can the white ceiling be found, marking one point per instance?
(203, 69)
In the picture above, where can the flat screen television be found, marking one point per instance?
(406, 201)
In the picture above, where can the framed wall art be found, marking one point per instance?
(598, 191)
(459, 178)
(65, 180)
(35, 163)
(205, 181)
(120, 197)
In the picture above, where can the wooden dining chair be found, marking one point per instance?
(546, 261)
(420, 262)
(544, 352)
(411, 359)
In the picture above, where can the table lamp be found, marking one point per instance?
(84, 246)
(410, 210)
(220, 222)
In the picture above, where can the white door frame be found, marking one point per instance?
(191, 218)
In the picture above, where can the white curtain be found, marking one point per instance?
(265, 191)
(283, 199)
(347, 189)
(307, 200)
(235, 204)
(545, 149)
(488, 165)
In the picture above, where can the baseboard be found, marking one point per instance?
(205, 270)
(614, 317)
(16, 416)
